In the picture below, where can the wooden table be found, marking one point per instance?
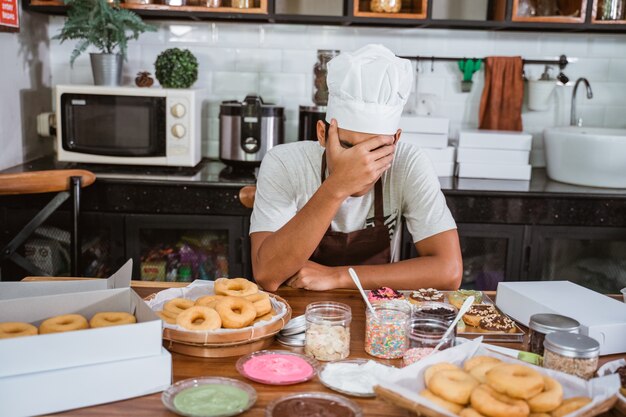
(188, 367)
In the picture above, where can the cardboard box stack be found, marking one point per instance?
(431, 135)
(494, 155)
(63, 371)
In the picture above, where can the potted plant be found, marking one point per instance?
(107, 27)
(176, 68)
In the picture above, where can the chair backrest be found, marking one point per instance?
(246, 196)
(36, 182)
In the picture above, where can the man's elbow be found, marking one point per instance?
(265, 281)
(452, 275)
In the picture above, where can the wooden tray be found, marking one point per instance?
(421, 410)
(216, 351)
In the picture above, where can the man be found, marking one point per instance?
(320, 209)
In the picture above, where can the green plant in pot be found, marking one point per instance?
(108, 28)
(176, 68)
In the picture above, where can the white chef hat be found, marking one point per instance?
(368, 89)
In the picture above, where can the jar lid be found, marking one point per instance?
(329, 313)
(294, 326)
(548, 323)
(572, 345)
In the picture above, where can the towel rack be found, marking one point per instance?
(561, 62)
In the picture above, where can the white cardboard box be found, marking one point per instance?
(495, 171)
(445, 155)
(601, 317)
(495, 139)
(425, 140)
(444, 169)
(82, 386)
(418, 124)
(490, 156)
(492, 185)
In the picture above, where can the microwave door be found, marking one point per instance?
(113, 125)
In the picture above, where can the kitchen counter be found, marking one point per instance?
(205, 190)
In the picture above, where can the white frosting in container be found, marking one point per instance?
(351, 377)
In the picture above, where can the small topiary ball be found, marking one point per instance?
(176, 68)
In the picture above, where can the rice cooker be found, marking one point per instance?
(248, 129)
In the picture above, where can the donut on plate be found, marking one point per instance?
(453, 385)
(261, 302)
(199, 318)
(236, 287)
(489, 402)
(236, 312)
(175, 306)
(517, 381)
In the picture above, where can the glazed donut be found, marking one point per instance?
(470, 412)
(176, 306)
(489, 402)
(549, 399)
(199, 318)
(479, 371)
(265, 317)
(261, 302)
(442, 366)
(16, 329)
(452, 407)
(236, 312)
(570, 405)
(477, 360)
(112, 318)
(517, 381)
(236, 287)
(209, 300)
(165, 317)
(64, 323)
(453, 385)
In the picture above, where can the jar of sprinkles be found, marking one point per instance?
(385, 331)
(542, 324)
(572, 353)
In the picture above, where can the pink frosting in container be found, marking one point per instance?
(276, 367)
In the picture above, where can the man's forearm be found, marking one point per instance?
(285, 251)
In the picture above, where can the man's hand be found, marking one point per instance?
(316, 277)
(357, 168)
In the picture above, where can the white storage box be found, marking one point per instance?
(444, 169)
(83, 386)
(495, 171)
(601, 317)
(489, 156)
(445, 155)
(492, 185)
(417, 124)
(425, 140)
(495, 139)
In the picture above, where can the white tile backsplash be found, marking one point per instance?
(276, 61)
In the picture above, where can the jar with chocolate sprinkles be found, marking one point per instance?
(542, 324)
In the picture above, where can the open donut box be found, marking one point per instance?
(403, 385)
(79, 368)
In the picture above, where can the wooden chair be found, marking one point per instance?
(67, 184)
(246, 196)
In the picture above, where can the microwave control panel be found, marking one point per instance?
(178, 126)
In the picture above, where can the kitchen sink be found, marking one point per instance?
(591, 156)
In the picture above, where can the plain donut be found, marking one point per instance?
(236, 312)
(64, 323)
(489, 402)
(176, 306)
(442, 366)
(450, 406)
(236, 287)
(517, 381)
(453, 385)
(199, 318)
(549, 399)
(112, 318)
(16, 329)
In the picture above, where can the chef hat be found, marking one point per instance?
(368, 89)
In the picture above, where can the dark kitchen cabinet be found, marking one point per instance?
(594, 257)
(491, 253)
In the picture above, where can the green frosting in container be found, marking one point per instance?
(211, 400)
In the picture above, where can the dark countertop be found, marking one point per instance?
(208, 174)
(203, 191)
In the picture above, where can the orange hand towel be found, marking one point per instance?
(501, 102)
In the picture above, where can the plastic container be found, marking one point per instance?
(572, 353)
(231, 392)
(385, 332)
(385, 6)
(327, 336)
(277, 367)
(423, 335)
(213, 3)
(436, 310)
(320, 71)
(542, 324)
(313, 403)
(242, 4)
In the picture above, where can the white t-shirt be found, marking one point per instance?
(290, 175)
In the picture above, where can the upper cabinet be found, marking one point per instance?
(540, 15)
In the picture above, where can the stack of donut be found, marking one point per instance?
(486, 386)
(65, 323)
(237, 303)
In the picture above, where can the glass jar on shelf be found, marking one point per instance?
(385, 6)
(242, 4)
(423, 334)
(327, 335)
(213, 3)
(320, 71)
(611, 9)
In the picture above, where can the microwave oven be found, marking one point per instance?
(128, 125)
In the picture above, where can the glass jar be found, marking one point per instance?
(542, 324)
(213, 3)
(385, 6)
(327, 335)
(572, 353)
(437, 310)
(423, 335)
(385, 331)
(610, 9)
(320, 71)
(242, 4)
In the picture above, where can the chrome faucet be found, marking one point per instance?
(573, 120)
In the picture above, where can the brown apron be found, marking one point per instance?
(369, 246)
